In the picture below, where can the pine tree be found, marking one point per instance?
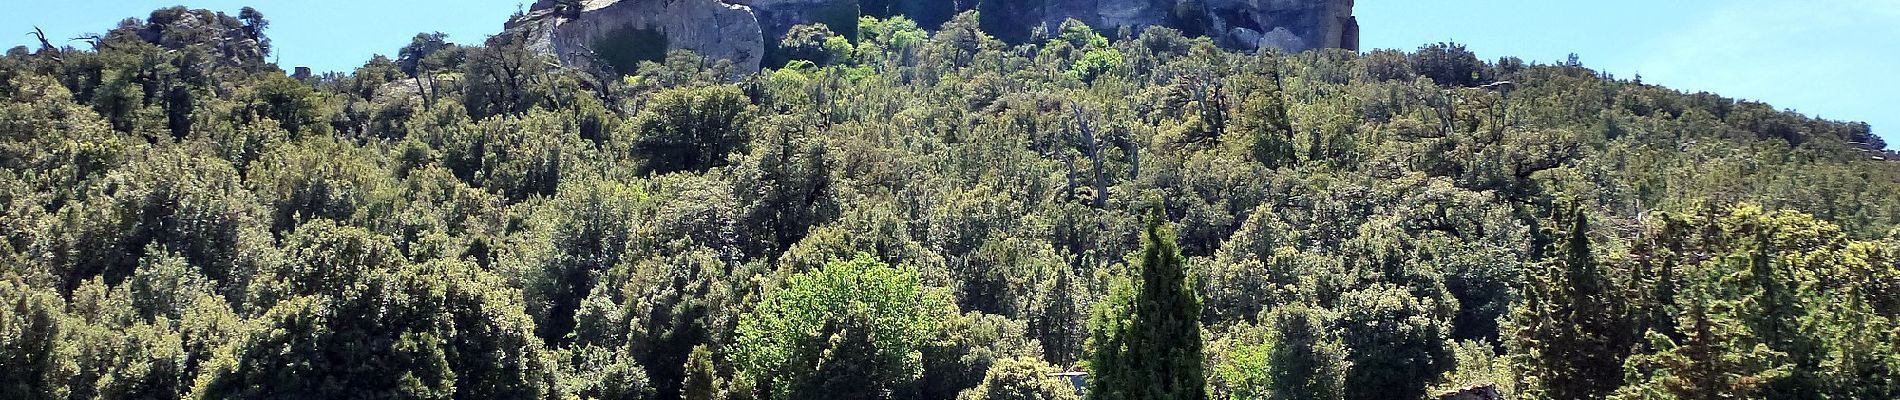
(1147, 338)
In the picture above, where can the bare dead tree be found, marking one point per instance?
(91, 38)
(46, 47)
(1094, 148)
(41, 35)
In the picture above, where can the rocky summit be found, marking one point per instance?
(620, 33)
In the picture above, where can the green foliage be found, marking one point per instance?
(411, 58)
(1448, 64)
(854, 329)
(436, 330)
(692, 129)
(1147, 337)
(815, 43)
(1571, 325)
(1294, 354)
(966, 347)
(1396, 346)
(1020, 379)
(180, 219)
(702, 380)
(30, 332)
(1749, 324)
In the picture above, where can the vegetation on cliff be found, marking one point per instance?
(923, 214)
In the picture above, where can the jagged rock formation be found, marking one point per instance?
(622, 32)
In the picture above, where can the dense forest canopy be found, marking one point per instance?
(923, 213)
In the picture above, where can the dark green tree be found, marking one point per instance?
(1146, 340)
(815, 43)
(1571, 326)
(692, 129)
(702, 379)
(1394, 341)
(1448, 64)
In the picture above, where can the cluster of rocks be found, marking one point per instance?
(743, 31)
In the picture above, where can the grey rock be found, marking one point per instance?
(583, 32)
(776, 17)
(1306, 24)
(712, 28)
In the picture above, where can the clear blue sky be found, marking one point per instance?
(1838, 59)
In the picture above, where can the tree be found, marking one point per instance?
(1395, 343)
(815, 43)
(1307, 360)
(966, 348)
(1448, 64)
(702, 380)
(418, 60)
(254, 27)
(1571, 326)
(854, 329)
(1146, 340)
(1293, 354)
(32, 365)
(441, 329)
(1020, 379)
(410, 57)
(1262, 121)
(692, 129)
(291, 103)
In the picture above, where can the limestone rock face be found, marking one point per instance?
(1291, 25)
(776, 17)
(622, 32)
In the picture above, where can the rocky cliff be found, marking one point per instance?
(622, 32)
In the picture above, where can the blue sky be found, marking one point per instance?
(1837, 59)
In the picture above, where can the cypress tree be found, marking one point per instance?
(1146, 342)
(1572, 327)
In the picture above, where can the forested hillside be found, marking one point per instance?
(928, 214)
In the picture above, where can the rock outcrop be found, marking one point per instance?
(620, 33)
(1290, 25)
(623, 32)
(776, 17)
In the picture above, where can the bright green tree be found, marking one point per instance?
(854, 329)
